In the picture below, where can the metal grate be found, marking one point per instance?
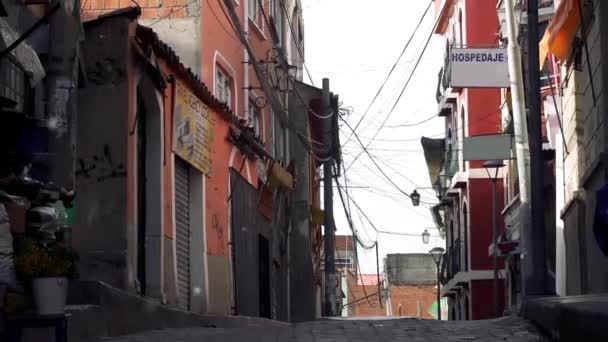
(13, 83)
(182, 232)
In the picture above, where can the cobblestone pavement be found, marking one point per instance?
(510, 329)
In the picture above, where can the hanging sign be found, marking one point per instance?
(192, 129)
(479, 68)
(487, 147)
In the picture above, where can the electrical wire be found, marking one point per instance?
(407, 44)
(558, 115)
(378, 166)
(296, 41)
(306, 141)
(348, 196)
(414, 124)
(426, 44)
(285, 66)
(173, 10)
(472, 124)
(350, 221)
(388, 194)
(378, 231)
(231, 34)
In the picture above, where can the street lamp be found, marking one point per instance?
(415, 196)
(492, 167)
(437, 253)
(425, 237)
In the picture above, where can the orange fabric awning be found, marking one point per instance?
(561, 31)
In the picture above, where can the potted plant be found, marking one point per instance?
(49, 269)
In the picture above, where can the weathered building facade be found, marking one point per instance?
(464, 187)
(575, 45)
(208, 216)
(510, 247)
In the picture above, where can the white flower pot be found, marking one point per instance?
(50, 295)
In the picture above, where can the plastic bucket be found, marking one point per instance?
(50, 295)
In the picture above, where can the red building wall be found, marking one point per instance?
(482, 299)
(480, 222)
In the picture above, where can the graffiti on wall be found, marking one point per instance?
(216, 226)
(100, 167)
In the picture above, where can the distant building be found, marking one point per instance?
(407, 289)
(346, 255)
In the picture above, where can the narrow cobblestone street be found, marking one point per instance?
(504, 329)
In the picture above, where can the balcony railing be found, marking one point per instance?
(445, 95)
(452, 261)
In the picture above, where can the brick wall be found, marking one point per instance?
(150, 9)
(408, 296)
(411, 298)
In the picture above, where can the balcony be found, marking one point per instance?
(445, 95)
(449, 179)
(452, 262)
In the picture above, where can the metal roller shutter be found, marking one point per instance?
(182, 232)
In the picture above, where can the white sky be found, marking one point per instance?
(354, 43)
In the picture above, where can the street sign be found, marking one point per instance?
(479, 68)
(487, 147)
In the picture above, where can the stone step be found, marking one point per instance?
(570, 318)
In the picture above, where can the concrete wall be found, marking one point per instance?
(585, 168)
(411, 269)
(182, 34)
(101, 230)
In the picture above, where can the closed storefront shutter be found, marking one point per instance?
(182, 232)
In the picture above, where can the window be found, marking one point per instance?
(254, 118)
(278, 139)
(254, 10)
(222, 87)
(460, 36)
(13, 86)
(343, 262)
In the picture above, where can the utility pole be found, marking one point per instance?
(537, 285)
(330, 240)
(62, 78)
(522, 150)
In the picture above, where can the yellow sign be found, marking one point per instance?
(192, 129)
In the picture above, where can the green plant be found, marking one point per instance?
(33, 260)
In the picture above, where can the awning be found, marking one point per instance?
(23, 53)
(561, 31)
(434, 152)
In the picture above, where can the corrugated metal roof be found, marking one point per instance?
(369, 279)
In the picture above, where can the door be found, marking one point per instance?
(182, 232)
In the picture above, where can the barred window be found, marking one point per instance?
(13, 85)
